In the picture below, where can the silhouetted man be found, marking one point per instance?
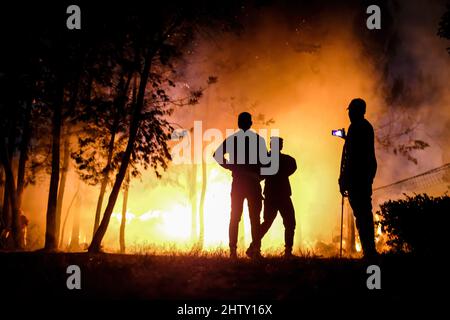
(277, 196)
(244, 149)
(358, 168)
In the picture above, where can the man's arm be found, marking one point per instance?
(264, 157)
(343, 179)
(291, 166)
(371, 153)
(219, 155)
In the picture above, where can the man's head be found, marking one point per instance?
(245, 121)
(356, 109)
(276, 142)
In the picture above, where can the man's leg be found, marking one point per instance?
(361, 203)
(254, 209)
(237, 202)
(270, 212)
(288, 214)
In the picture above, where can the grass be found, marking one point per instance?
(189, 249)
(213, 276)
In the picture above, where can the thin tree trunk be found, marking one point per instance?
(134, 126)
(62, 186)
(50, 232)
(201, 240)
(6, 216)
(201, 236)
(120, 104)
(100, 202)
(193, 200)
(106, 173)
(74, 244)
(61, 240)
(124, 213)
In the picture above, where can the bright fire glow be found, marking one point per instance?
(177, 222)
(172, 224)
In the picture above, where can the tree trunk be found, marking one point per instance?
(193, 200)
(134, 126)
(50, 231)
(2, 190)
(7, 211)
(24, 144)
(75, 237)
(61, 240)
(10, 185)
(201, 239)
(23, 158)
(124, 213)
(100, 202)
(106, 173)
(62, 186)
(119, 105)
(201, 236)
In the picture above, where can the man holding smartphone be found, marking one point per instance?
(358, 169)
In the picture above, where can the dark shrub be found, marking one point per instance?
(418, 224)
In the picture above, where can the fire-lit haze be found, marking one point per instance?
(301, 71)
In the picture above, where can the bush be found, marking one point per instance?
(418, 224)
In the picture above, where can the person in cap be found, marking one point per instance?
(358, 169)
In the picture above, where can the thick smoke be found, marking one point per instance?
(414, 75)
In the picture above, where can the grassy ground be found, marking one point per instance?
(114, 276)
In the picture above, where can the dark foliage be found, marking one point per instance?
(417, 224)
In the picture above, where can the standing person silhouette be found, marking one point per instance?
(277, 197)
(358, 169)
(244, 149)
